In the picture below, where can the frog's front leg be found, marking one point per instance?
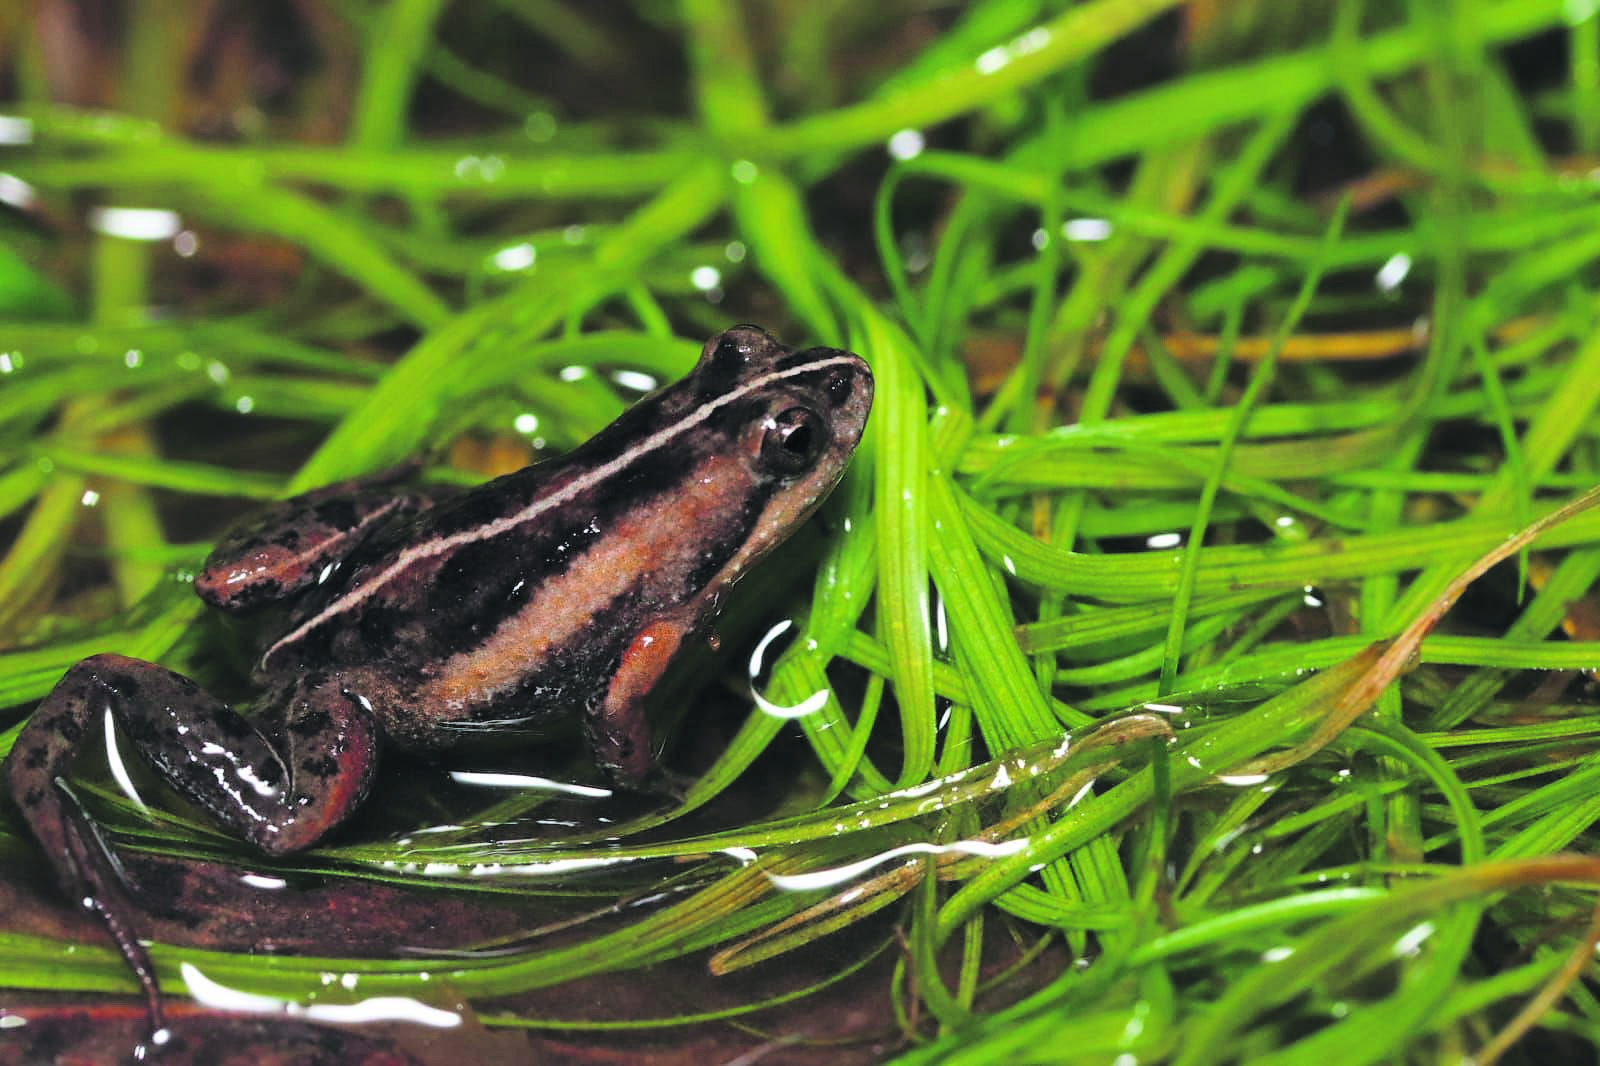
(278, 798)
(294, 543)
(616, 727)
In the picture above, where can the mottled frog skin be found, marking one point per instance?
(561, 590)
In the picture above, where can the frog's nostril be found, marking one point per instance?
(839, 385)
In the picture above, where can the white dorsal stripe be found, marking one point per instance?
(538, 507)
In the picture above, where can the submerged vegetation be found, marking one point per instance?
(1214, 344)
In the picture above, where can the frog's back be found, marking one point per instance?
(515, 602)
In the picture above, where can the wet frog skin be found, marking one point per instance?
(562, 589)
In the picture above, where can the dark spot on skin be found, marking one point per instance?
(311, 723)
(726, 422)
(33, 797)
(320, 767)
(380, 627)
(339, 514)
(128, 688)
(260, 590)
(70, 730)
(36, 758)
(143, 730)
(234, 725)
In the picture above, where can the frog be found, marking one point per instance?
(468, 622)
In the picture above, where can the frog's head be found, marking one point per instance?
(788, 418)
(799, 414)
(793, 416)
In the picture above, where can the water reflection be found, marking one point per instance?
(212, 994)
(758, 658)
(810, 705)
(136, 223)
(15, 129)
(263, 881)
(490, 779)
(15, 192)
(838, 875)
(119, 768)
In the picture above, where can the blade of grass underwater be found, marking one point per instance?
(20, 484)
(1571, 580)
(1032, 763)
(715, 914)
(417, 170)
(1220, 749)
(1010, 709)
(1069, 463)
(766, 203)
(1339, 941)
(1354, 702)
(1202, 103)
(843, 590)
(1108, 624)
(700, 1018)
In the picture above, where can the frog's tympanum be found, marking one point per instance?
(561, 590)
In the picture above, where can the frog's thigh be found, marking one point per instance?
(618, 732)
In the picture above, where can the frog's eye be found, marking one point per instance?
(793, 441)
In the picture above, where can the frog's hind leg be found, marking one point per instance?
(84, 864)
(279, 780)
(217, 758)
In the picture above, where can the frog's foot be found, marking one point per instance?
(668, 784)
